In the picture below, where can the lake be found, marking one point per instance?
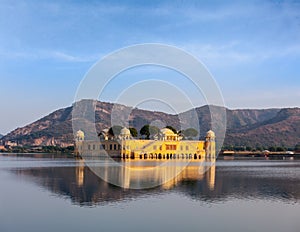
(47, 193)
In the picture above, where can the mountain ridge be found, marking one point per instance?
(245, 127)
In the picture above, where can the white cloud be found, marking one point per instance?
(53, 55)
(231, 54)
(71, 58)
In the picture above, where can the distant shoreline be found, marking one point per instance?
(257, 154)
(39, 155)
(233, 156)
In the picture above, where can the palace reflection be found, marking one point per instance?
(145, 174)
(217, 183)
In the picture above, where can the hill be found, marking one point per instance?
(245, 127)
(281, 130)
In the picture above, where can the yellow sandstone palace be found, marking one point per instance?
(166, 145)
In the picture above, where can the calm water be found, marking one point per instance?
(60, 194)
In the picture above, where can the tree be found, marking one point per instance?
(148, 131)
(239, 148)
(115, 130)
(154, 130)
(297, 147)
(172, 129)
(272, 148)
(280, 148)
(189, 133)
(133, 132)
(258, 148)
(145, 131)
(248, 148)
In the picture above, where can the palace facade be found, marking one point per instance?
(166, 145)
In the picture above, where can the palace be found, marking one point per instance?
(166, 145)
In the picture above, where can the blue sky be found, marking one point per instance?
(251, 48)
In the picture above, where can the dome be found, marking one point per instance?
(167, 131)
(80, 134)
(105, 131)
(210, 133)
(125, 131)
